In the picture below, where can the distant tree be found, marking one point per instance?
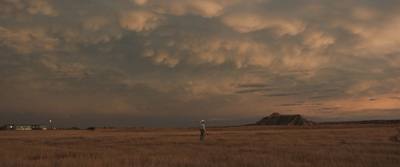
(91, 128)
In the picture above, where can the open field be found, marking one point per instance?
(333, 145)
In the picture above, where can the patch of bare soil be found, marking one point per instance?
(395, 138)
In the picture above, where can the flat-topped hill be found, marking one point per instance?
(278, 119)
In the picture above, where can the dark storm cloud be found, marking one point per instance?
(253, 88)
(320, 97)
(398, 98)
(292, 104)
(252, 85)
(330, 108)
(177, 59)
(256, 90)
(281, 94)
(302, 92)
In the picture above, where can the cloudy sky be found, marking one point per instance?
(170, 63)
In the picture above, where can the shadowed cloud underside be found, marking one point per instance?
(173, 62)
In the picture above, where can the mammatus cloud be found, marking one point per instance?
(244, 22)
(199, 58)
(23, 10)
(139, 20)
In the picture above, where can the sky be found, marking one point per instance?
(171, 63)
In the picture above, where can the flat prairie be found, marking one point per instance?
(278, 146)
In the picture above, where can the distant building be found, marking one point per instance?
(23, 127)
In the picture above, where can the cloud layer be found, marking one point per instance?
(200, 59)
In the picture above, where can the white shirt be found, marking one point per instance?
(202, 127)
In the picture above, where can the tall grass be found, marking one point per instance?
(337, 145)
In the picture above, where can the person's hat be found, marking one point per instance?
(202, 121)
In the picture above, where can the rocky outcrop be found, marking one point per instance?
(291, 120)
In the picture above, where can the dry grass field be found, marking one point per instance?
(334, 145)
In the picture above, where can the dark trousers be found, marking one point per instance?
(202, 135)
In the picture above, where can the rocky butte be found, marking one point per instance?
(290, 120)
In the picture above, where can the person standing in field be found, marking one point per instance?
(202, 129)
